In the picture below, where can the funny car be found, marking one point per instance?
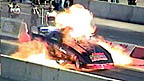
(78, 56)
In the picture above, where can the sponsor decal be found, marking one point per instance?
(98, 57)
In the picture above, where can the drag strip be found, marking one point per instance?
(118, 73)
(121, 35)
(122, 74)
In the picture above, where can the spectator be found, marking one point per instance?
(104, 0)
(21, 1)
(35, 13)
(50, 16)
(14, 10)
(61, 4)
(12, 0)
(17, 9)
(132, 2)
(115, 1)
(10, 6)
(36, 2)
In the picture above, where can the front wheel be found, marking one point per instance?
(77, 64)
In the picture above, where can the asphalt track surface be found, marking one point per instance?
(119, 73)
(121, 35)
(115, 73)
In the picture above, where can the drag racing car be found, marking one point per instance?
(78, 57)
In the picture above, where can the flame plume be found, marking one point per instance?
(76, 25)
(78, 18)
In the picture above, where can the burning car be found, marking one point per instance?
(83, 57)
(71, 44)
(72, 48)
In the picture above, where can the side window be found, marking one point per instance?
(56, 36)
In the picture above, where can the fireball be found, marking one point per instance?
(78, 18)
(76, 25)
(119, 53)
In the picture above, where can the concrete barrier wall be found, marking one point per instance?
(26, 71)
(13, 69)
(7, 48)
(100, 9)
(115, 11)
(120, 12)
(83, 2)
(138, 15)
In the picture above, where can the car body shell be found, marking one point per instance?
(95, 57)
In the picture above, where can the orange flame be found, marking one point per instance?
(78, 18)
(119, 53)
(30, 48)
(35, 51)
(75, 24)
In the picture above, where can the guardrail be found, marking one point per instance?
(26, 71)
